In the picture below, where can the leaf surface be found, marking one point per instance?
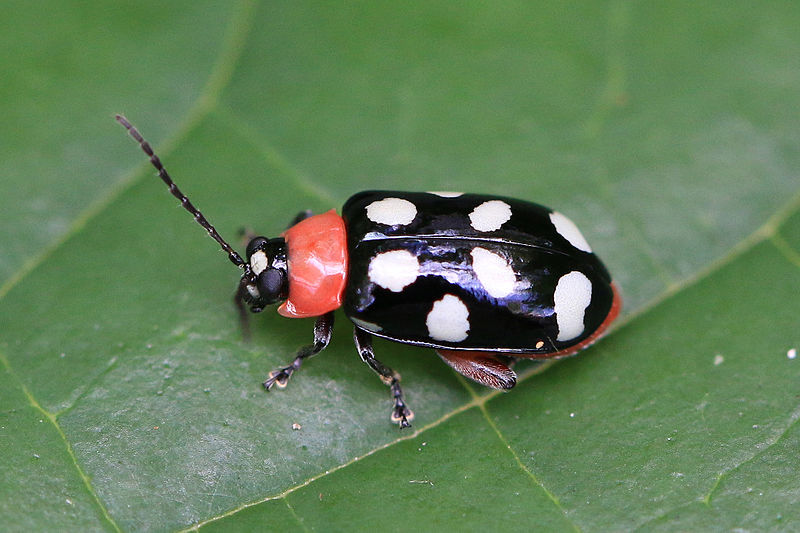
(129, 400)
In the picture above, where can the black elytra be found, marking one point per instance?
(482, 279)
(443, 240)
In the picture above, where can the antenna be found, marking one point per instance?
(235, 258)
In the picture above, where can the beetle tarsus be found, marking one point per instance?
(281, 376)
(322, 337)
(401, 414)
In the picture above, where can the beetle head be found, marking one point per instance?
(266, 281)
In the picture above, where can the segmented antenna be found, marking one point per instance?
(235, 258)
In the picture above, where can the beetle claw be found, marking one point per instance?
(402, 415)
(279, 377)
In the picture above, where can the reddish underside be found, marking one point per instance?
(317, 264)
(616, 305)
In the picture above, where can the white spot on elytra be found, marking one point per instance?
(393, 270)
(718, 359)
(446, 194)
(572, 296)
(259, 262)
(489, 216)
(448, 319)
(791, 354)
(494, 272)
(567, 229)
(391, 211)
(363, 324)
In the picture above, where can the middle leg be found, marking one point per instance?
(401, 414)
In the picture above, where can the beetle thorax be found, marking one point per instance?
(317, 263)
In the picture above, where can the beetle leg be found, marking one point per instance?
(241, 307)
(301, 216)
(401, 414)
(246, 234)
(322, 336)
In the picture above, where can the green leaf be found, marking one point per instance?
(128, 400)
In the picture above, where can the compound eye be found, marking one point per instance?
(271, 284)
(255, 245)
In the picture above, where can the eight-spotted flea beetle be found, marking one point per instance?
(481, 279)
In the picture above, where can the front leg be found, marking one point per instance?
(401, 414)
(241, 307)
(301, 216)
(322, 336)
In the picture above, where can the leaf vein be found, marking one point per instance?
(525, 469)
(70, 452)
(221, 72)
(613, 92)
(785, 249)
(272, 156)
(88, 387)
(793, 418)
(474, 403)
(294, 514)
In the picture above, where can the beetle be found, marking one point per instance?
(481, 279)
